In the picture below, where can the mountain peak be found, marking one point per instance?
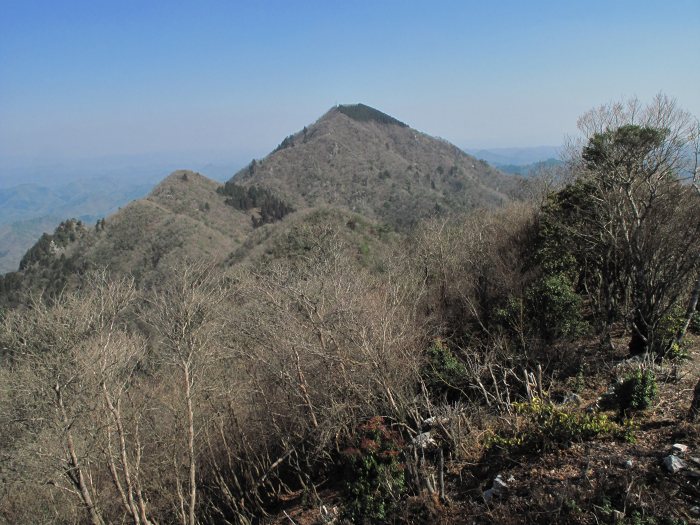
(372, 164)
(364, 113)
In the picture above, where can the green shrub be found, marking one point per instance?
(548, 427)
(638, 390)
(555, 308)
(443, 372)
(375, 476)
(668, 328)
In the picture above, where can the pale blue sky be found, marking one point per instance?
(97, 77)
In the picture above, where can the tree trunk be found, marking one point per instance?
(639, 342)
(190, 443)
(75, 474)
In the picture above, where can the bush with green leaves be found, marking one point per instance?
(443, 372)
(638, 390)
(375, 475)
(547, 427)
(555, 307)
(668, 329)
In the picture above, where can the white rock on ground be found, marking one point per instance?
(679, 448)
(674, 464)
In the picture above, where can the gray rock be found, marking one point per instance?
(424, 440)
(572, 399)
(679, 448)
(499, 485)
(497, 490)
(674, 464)
(629, 464)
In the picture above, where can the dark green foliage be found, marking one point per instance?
(556, 247)
(443, 372)
(638, 390)
(668, 330)
(626, 147)
(10, 284)
(550, 309)
(48, 245)
(363, 113)
(374, 473)
(271, 208)
(288, 142)
(555, 308)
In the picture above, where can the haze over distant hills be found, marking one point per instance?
(515, 156)
(352, 162)
(521, 161)
(36, 195)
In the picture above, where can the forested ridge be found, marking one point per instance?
(533, 360)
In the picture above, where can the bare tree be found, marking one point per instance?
(59, 358)
(187, 318)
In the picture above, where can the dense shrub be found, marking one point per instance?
(668, 330)
(695, 323)
(374, 473)
(555, 308)
(638, 390)
(443, 373)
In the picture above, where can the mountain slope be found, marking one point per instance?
(183, 218)
(359, 165)
(359, 158)
(28, 210)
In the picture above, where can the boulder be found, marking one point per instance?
(674, 464)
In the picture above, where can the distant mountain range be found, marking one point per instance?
(516, 156)
(354, 166)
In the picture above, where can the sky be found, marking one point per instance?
(230, 79)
